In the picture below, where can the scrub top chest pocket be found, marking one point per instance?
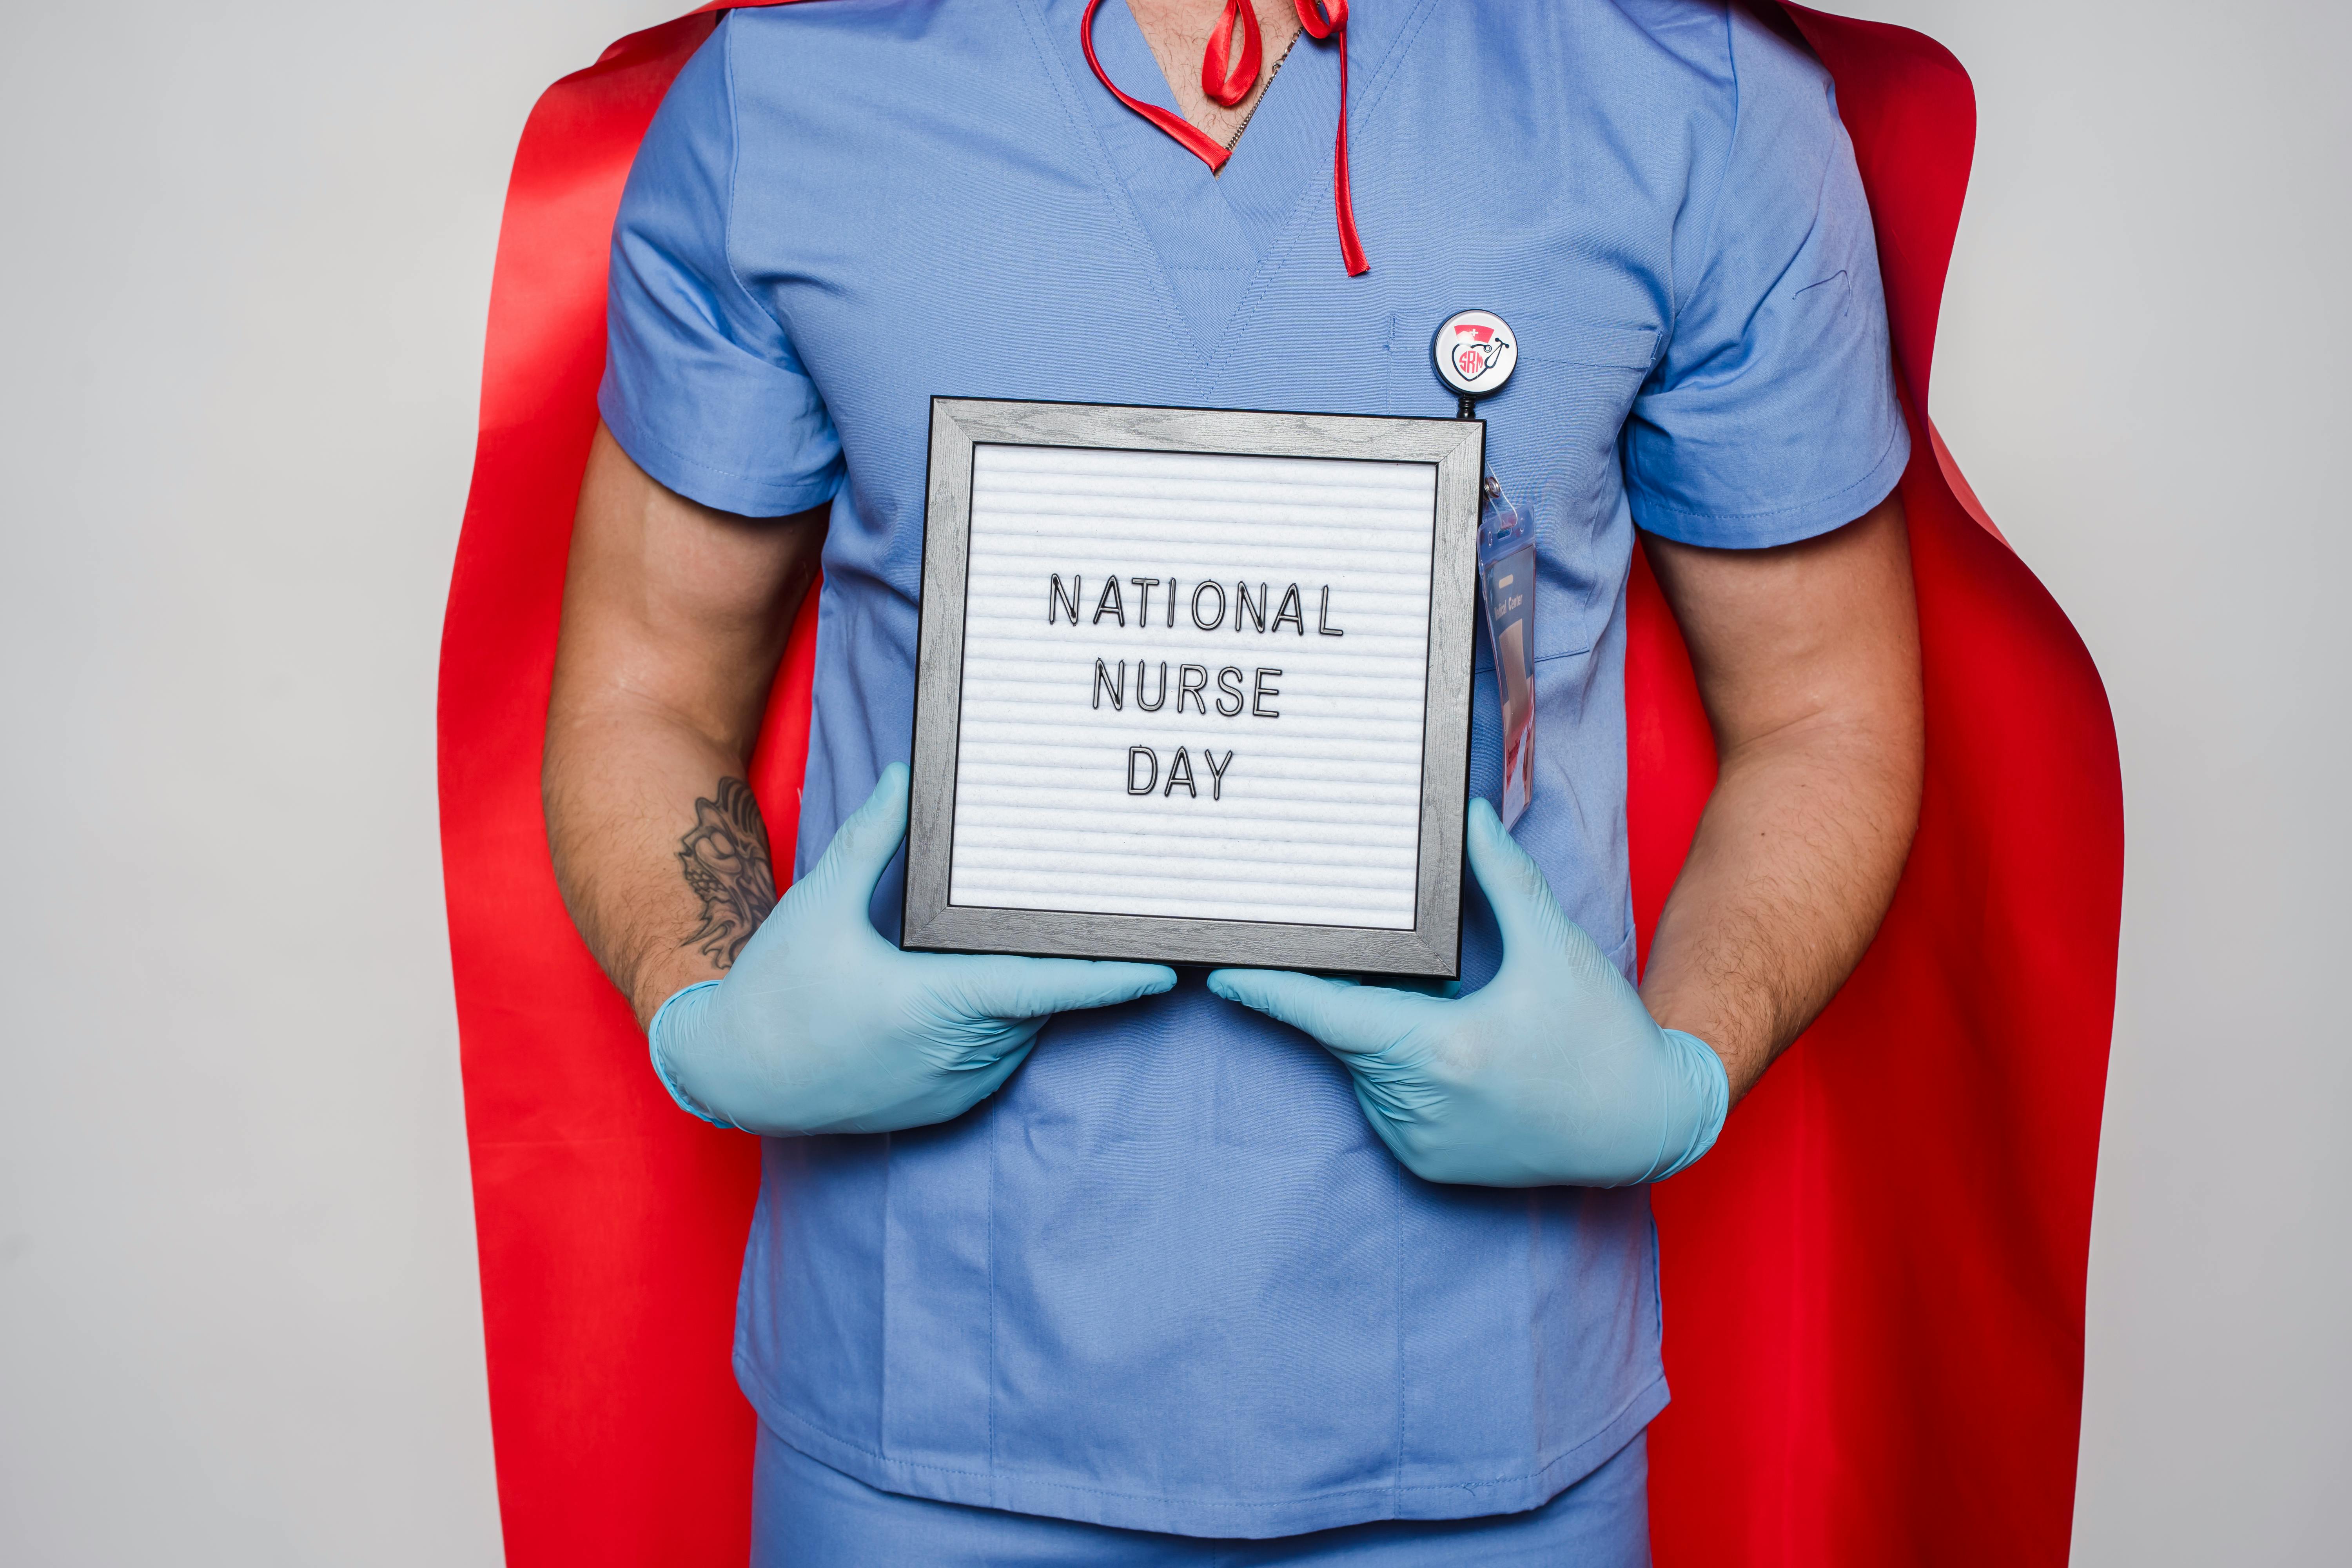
(1552, 439)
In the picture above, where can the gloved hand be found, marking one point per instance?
(824, 1026)
(1551, 1074)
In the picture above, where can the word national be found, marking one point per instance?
(1205, 609)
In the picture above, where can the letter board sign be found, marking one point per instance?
(1193, 685)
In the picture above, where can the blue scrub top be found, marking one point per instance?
(1167, 1279)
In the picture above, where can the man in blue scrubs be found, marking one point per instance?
(1058, 1262)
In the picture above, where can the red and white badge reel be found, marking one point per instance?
(1475, 352)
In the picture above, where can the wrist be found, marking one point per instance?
(661, 974)
(1706, 1081)
(669, 1034)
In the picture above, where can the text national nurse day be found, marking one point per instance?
(1231, 694)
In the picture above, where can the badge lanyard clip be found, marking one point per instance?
(1475, 352)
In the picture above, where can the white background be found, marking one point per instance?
(245, 250)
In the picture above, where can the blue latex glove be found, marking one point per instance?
(1551, 1074)
(824, 1026)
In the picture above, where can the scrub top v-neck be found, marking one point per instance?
(1167, 1279)
(1213, 236)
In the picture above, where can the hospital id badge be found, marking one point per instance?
(1506, 578)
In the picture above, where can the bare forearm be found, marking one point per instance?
(659, 850)
(1793, 865)
(675, 616)
(1807, 657)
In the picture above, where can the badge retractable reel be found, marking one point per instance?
(1475, 352)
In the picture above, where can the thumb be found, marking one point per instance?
(987, 987)
(863, 846)
(1525, 912)
(1351, 1019)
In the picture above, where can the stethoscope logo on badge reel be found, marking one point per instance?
(1478, 350)
(1474, 352)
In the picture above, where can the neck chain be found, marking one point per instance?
(1234, 140)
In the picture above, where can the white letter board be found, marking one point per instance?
(1264, 766)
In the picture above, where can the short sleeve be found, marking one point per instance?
(702, 386)
(1772, 416)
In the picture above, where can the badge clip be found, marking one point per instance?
(1475, 352)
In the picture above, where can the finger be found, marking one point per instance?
(1341, 1015)
(985, 1076)
(863, 845)
(1443, 990)
(1036, 987)
(1527, 915)
(956, 1094)
(1383, 1122)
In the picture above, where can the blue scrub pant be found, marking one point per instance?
(808, 1515)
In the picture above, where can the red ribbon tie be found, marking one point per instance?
(1227, 78)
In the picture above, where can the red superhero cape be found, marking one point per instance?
(1876, 1282)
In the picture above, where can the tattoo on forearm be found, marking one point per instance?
(725, 859)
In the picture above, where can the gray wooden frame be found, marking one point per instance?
(1432, 947)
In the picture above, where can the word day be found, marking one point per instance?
(1144, 759)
